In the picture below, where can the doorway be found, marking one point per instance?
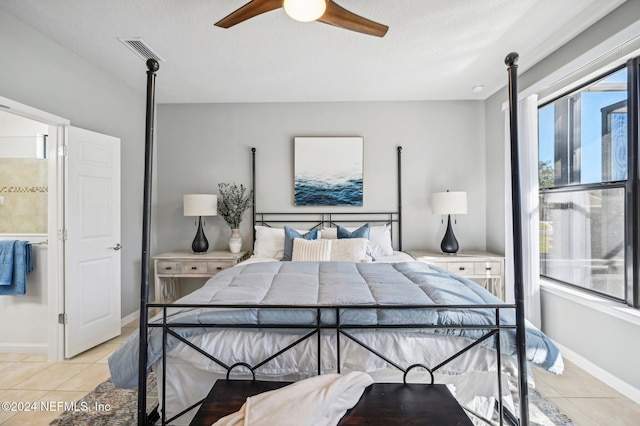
(42, 311)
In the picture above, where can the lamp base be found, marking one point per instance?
(449, 243)
(200, 244)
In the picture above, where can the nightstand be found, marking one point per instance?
(487, 269)
(168, 267)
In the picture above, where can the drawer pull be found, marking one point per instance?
(219, 268)
(488, 268)
(193, 268)
(461, 268)
(168, 268)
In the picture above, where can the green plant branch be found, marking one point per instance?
(233, 202)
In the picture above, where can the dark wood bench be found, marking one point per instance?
(381, 403)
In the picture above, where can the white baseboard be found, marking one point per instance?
(604, 376)
(134, 316)
(24, 348)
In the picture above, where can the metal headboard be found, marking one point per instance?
(323, 219)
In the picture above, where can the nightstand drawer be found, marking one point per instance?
(461, 268)
(169, 268)
(219, 266)
(195, 267)
(487, 268)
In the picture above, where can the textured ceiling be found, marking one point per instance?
(434, 50)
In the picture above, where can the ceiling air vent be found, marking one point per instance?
(140, 48)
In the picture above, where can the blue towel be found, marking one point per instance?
(6, 261)
(22, 265)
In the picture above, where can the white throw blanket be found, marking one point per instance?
(317, 401)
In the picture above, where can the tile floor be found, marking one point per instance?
(585, 399)
(31, 378)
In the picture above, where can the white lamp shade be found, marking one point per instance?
(450, 202)
(200, 205)
(305, 10)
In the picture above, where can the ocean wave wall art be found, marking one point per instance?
(328, 171)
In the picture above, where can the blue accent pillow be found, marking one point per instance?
(362, 232)
(290, 234)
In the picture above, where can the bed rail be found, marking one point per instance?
(320, 325)
(312, 220)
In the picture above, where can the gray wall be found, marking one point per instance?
(40, 73)
(562, 319)
(200, 145)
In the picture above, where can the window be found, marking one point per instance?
(586, 176)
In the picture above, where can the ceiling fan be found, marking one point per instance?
(325, 11)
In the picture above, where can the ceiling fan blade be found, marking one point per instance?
(340, 17)
(248, 11)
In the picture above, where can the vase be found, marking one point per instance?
(235, 242)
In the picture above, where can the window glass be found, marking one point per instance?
(582, 239)
(603, 130)
(545, 154)
(583, 136)
(583, 145)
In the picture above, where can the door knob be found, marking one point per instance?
(116, 247)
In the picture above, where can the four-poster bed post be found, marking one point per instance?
(152, 66)
(512, 63)
(400, 197)
(253, 193)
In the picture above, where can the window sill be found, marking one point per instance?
(614, 309)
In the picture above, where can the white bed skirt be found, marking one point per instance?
(472, 377)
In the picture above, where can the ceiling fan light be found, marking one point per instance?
(305, 10)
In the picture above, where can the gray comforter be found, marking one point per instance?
(339, 283)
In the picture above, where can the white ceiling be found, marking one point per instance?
(434, 49)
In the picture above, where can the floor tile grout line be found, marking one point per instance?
(42, 371)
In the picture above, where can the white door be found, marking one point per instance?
(92, 247)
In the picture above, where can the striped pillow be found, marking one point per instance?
(311, 250)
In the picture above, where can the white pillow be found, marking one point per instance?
(269, 242)
(311, 250)
(330, 233)
(349, 250)
(379, 238)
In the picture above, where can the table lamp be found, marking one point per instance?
(454, 202)
(200, 205)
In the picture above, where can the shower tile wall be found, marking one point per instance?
(24, 186)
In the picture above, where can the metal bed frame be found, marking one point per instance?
(340, 329)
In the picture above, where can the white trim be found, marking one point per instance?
(23, 348)
(26, 111)
(608, 307)
(56, 246)
(607, 55)
(129, 318)
(604, 376)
